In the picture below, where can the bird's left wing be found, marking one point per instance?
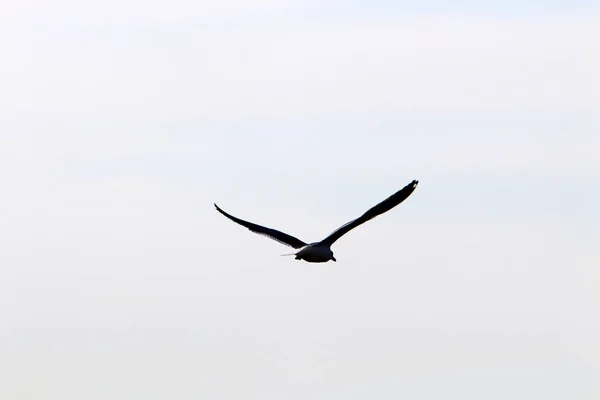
(281, 237)
(380, 208)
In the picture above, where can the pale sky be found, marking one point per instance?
(121, 122)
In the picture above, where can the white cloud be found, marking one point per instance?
(269, 68)
(141, 11)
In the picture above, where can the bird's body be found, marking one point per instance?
(316, 253)
(319, 252)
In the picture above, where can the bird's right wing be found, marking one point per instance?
(281, 237)
(379, 209)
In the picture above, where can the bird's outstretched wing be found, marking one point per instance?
(268, 232)
(380, 208)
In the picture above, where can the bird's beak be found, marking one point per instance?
(333, 258)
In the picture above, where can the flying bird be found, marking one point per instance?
(319, 252)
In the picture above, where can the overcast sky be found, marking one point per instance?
(121, 122)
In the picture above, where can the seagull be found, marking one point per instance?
(319, 252)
